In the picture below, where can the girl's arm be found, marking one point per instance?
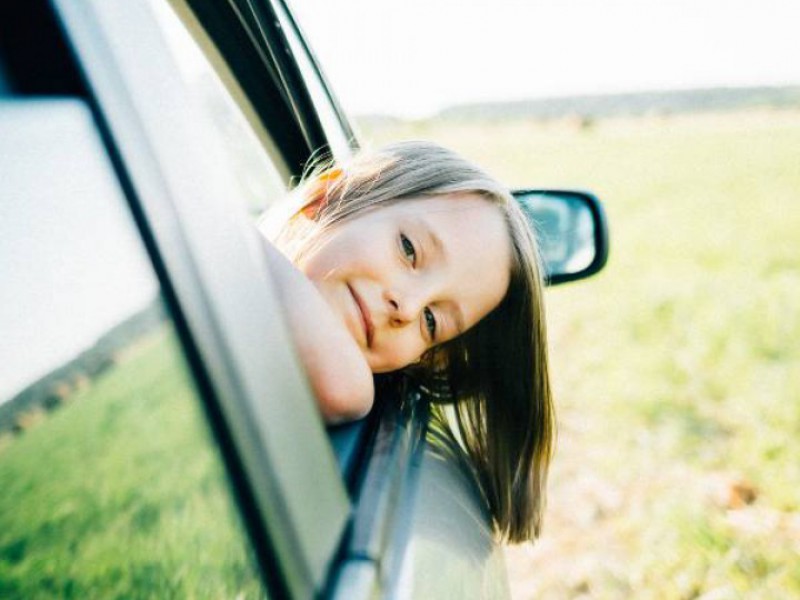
(336, 368)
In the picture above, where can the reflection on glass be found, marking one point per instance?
(110, 484)
(565, 230)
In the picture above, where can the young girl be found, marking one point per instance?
(412, 259)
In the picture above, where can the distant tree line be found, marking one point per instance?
(629, 104)
(51, 391)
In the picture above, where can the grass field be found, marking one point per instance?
(119, 494)
(677, 369)
(677, 378)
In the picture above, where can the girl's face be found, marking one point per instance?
(407, 277)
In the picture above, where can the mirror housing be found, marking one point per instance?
(572, 231)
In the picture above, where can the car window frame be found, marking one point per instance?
(220, 338)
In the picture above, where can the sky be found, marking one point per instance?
(409, 59)
(416, 57)
(71, 263)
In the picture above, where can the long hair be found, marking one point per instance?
(490, 386)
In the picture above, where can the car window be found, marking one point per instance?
(111, 484)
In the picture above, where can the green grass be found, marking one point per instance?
(677, 369)
(119, 494)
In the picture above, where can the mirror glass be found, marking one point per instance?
(565, 227)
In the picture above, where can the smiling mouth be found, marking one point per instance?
(366, 320)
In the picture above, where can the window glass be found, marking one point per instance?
(111, 484)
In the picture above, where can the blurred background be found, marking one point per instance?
(677, 369)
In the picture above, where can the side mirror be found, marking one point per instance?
(572, 230)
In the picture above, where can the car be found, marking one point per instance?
(157, 435)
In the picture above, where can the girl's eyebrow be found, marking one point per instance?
(433, 240)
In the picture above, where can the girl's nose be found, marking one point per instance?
(404, 306)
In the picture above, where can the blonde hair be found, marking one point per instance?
(495, 375)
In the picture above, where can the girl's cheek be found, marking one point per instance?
(406, 355)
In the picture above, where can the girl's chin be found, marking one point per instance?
(378, 369)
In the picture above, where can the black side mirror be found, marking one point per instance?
(572, 230)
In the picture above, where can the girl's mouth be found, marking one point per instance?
(366, 318)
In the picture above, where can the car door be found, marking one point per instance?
(148, 149)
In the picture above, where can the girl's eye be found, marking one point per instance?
(408, 249)
(430, 322)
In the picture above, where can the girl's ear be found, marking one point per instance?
(318, 193)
